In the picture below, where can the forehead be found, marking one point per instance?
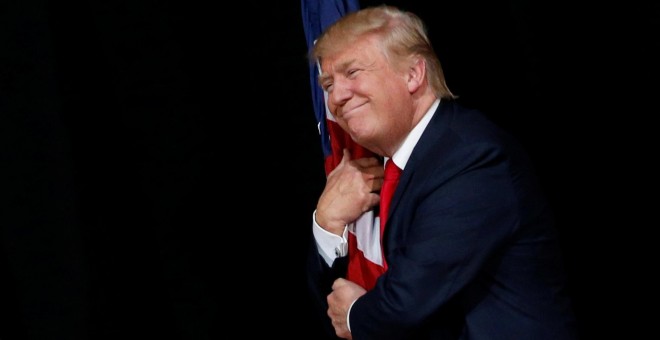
(360, 51)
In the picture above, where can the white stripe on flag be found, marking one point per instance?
(367, 231)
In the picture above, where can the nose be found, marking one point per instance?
(339, 95)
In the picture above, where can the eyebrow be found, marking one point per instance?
(323, 77)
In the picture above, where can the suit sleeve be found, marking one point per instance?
(451, 221)
(320, 278)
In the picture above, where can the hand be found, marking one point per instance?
(350, 190)
(343, 294)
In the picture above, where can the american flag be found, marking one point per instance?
(317, 16)
(364, 233)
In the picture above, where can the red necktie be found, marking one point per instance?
(360, 269)
(391, 179)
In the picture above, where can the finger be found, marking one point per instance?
(374, 171)
(376, 184)
(368, 162)
(374, 200)
(347, 155)
(338, 283)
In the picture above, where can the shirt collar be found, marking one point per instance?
(402, 155)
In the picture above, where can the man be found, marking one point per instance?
(469, 250)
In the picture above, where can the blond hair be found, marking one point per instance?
(401, 33)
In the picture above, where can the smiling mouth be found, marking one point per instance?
(345, 111)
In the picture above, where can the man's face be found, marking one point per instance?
(367, 96)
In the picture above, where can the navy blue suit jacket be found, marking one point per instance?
(470, 242)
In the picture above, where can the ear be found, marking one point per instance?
(416, 73)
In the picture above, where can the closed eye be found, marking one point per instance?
(326, 86)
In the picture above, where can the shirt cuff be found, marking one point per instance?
(348, 316)
(330, 246)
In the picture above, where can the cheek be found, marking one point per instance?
(331, 107)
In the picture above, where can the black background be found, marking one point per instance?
(160, 159)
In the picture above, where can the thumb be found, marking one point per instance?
(347, 155)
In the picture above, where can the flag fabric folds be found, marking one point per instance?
(364, 238)
(317, 16)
